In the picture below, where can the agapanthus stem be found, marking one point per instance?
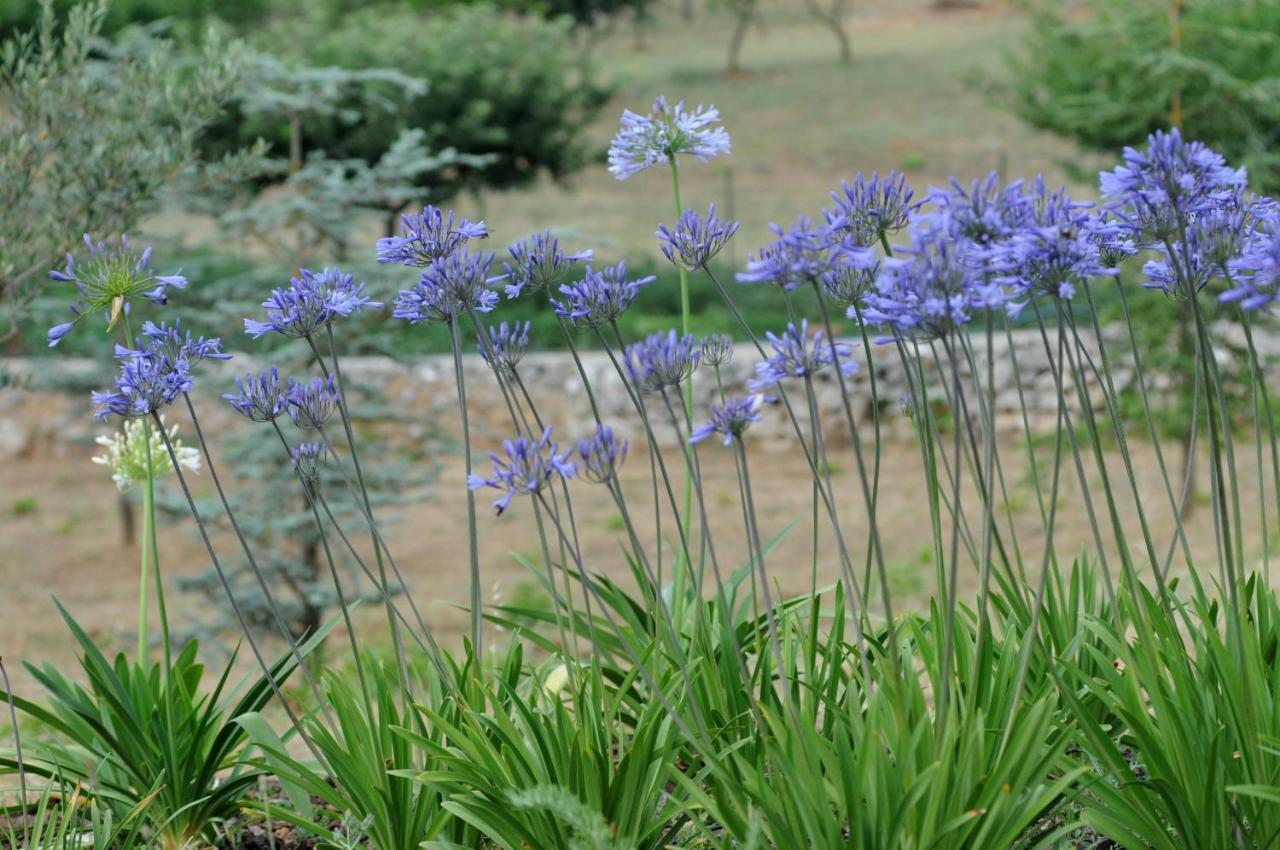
(684, 330)
(309, 494)
(150, 546)
(757, 559)
(267, 672)
(344, 410)
(254, 567)
(473, 539)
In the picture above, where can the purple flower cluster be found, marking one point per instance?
(798, 354)
(525, 467)
(108, 278)
(451, 286)
(1157, 192)
(661, 360)
(537, 263)
(261, 398)
(731, 419)
(717, 349)
(154, 375)
(644, 141)
(870, 208)
(428, 236)
(804, 254)
(600, 297)
(307, 460)
(934, 285)
(311, 404)
(695, 239)
(504, 346)
(310, 302)
(600, 456)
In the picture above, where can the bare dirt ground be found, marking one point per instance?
(60, 536)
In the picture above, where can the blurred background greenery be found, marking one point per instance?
(247, 138)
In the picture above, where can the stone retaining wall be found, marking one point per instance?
(49, 405)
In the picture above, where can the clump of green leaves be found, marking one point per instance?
(94, 131)
(1109, 73)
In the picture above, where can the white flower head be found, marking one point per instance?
(127, 454)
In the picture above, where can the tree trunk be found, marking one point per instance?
(745, 11)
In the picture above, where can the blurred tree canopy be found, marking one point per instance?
(1108, 73)
(510, 90)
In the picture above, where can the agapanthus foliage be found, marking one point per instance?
(644, 141)
(696, 239)
(310, 302)
(131, 460)
(661, 360)
(525, 467)
(452, 286)
(108, 277)
(731, 419)
(538, 263)
(870, 209)
(600, 297)
(798, 354)
(428, 236)
(503, 346)
(600, 456)
(261, 398)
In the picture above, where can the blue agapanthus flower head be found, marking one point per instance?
(1054, 252)
(984, 212)
(310, 302)
(504, 346)
(148, 380)
(696, 238)
(1255, 274)
(311, 404)
(1156, 192)
(798, 354)
(538, 263)
(174, 343)
(731, 419)
(108, 277)
(1208, 246)
(451, 286)
(600, 456)
(644, 141)
(661, 360)
(261, 398)
(428, 236)
(870, 208)
(308, 458)
(600, 297)
(934, 285)
(802, 255)
(717, 349)
(525, 467)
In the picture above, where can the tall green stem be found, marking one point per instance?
(684, 330)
